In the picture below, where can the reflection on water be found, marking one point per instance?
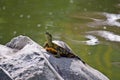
(107, 35)
(92, 40)
(111, 20)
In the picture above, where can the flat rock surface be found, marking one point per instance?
(24, 59)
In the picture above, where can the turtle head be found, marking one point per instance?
(49, 38)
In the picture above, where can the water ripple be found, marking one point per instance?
(111, 20)
(107, 35)
(91, 40)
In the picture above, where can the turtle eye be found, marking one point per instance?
(46, 33)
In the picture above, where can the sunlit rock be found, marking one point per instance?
(26, 60)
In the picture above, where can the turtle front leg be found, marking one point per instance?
(58, 54)
(53, 51)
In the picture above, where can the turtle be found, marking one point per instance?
(58, 48)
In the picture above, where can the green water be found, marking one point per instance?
(67, 20)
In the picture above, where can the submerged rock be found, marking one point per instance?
(24, 59)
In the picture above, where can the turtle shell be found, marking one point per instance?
(63, 45)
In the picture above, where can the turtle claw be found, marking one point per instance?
(57, 55)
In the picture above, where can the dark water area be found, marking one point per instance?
(90, 27)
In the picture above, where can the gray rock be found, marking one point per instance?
(4, 75)
(24, 59)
